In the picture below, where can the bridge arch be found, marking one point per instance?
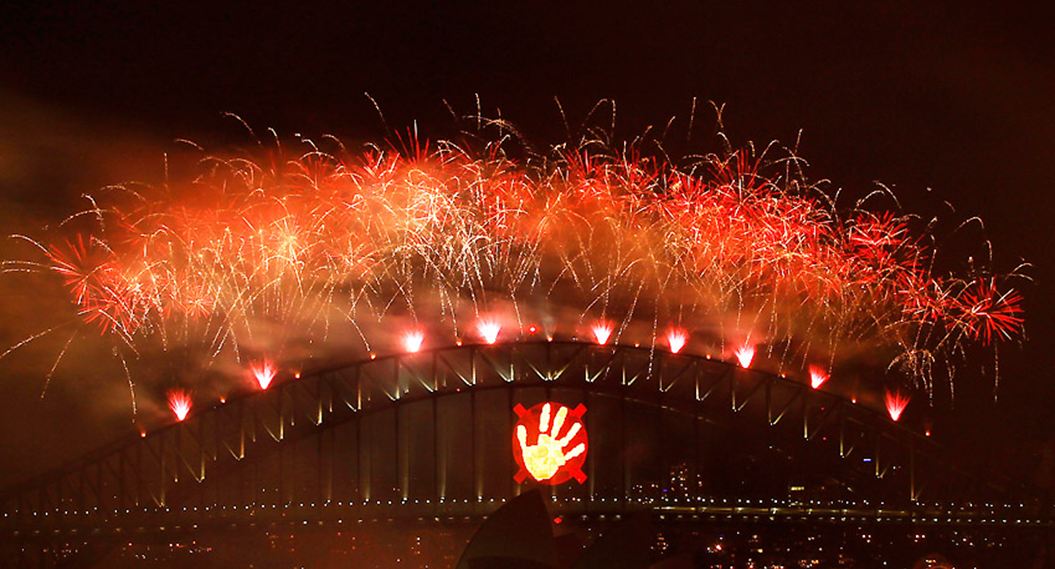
(427, 434)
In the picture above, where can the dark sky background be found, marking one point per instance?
(958, 98)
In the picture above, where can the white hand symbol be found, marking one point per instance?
(547, 456)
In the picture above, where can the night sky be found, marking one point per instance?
(944, 102)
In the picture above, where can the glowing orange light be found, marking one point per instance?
(489, 330)
(264, 372)
(412, 341)
(296, 375)
(532, 329)
(676, 339)
(744, 355)
(602, 331)
(543, 449)
(817, 377)
(180, 403)
(896, 403)
(223, 399)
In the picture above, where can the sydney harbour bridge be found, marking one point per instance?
(426, 437)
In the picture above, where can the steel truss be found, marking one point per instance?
(198, 473)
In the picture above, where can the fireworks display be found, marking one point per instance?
(274, 253)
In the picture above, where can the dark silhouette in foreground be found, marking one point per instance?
(520, 534)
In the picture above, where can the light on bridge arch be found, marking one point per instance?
(180, 403)
(602, 331)
(412, 341)
(550, 443)
(489, 330)
(744, 355)
(676, 339)
(896, 403)
(263, 372)
(817, 377)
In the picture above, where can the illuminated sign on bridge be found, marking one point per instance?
(550, 443)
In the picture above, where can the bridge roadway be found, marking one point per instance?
(164, 520)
